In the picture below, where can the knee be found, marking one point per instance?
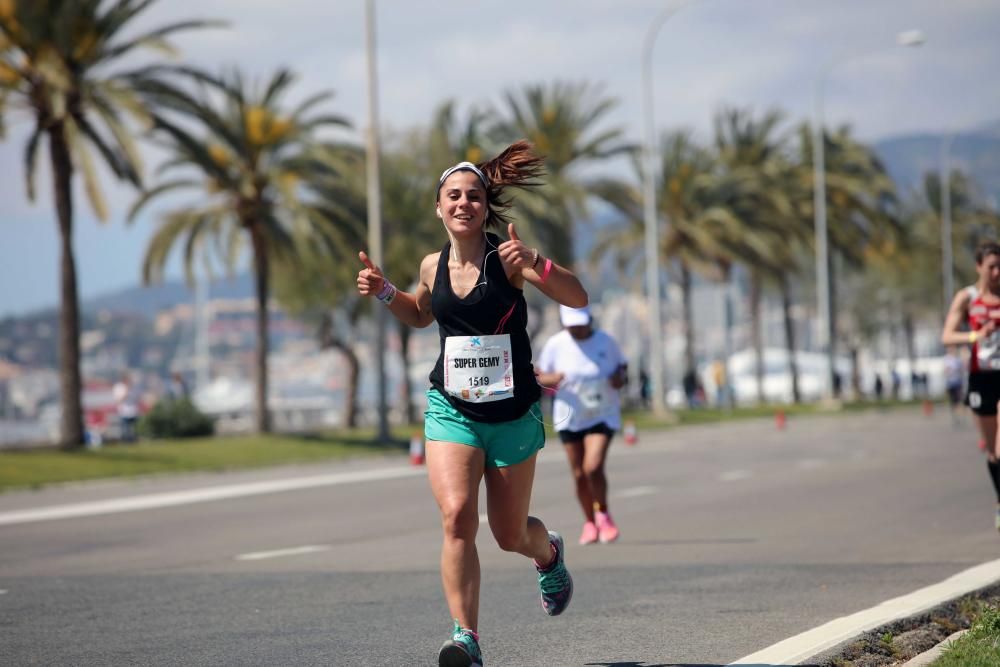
(579, 476)
(510, 538)
(593, 471)
(460, 521)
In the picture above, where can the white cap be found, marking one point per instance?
(574, 317)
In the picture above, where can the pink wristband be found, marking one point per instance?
(546, 270)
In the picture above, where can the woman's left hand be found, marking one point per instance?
(514, 252)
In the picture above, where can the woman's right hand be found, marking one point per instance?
(370, 278)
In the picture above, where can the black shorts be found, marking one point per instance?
(984, 392)
(577, 436)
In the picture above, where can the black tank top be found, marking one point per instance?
(496, 307)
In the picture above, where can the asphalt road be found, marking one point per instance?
(734, 537)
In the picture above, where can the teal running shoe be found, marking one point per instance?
(461, 650)
(554, 580)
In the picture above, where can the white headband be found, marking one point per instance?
(463, 166)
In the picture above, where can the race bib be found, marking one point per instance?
(478, 369)
(595, 398)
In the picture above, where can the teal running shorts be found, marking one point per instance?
(505, 444)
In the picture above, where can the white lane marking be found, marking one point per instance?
(278, 553)
(735, 475)
(155, 500)
(810, 464)
(795, 649)
(636, 491)
(3, 591)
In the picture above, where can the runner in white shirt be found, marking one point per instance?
(588, 369)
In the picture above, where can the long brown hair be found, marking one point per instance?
(517, 166)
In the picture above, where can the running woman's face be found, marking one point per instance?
(462, 203)
(989, 271)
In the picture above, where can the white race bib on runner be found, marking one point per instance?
(595, 398)
(479, 369)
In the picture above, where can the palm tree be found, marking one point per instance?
(253, 163)
(57, 60)
(687, 197)
(862, 206)
(562, 121)
(772, 235)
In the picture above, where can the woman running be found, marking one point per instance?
(483, 418)
(978, 307)
(587, 367)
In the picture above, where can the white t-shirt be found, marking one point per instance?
(585, 397)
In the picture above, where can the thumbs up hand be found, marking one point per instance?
(370, 278)
(514, 252)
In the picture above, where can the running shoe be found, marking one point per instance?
(589, 534)
(606, 529)
(461, 650)
(554, 580)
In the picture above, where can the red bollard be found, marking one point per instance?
(630, 434)
(779, 420)
(928, 408)
(417, 449)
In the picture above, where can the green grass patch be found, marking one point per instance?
(34, 468)
(979, 647)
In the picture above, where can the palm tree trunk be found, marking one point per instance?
(755, 334)
(261, 284)
(70, 385)
(329, 340)
(688, 316)
(405, 333)
(786, 311)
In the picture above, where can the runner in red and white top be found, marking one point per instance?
(974, 319)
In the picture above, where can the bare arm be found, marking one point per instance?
(550, 380)
(560, 284)
(620, 377)
(957, 313)
(411, 309)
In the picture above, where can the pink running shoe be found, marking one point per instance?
(589, 534)
(607, 531)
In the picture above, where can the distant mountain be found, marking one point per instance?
(147, 301)
(909, 157)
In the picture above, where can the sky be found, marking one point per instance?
(754, 54)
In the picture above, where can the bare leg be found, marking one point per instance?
(595, 454)
(508, 495)
(988, 429)
(455, 471)
(574, 454)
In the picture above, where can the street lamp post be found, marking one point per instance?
(945, 196)
(823, 293)
(375, 215)
(652, 240)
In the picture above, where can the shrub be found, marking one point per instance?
(177, 418)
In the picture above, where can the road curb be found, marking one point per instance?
(932, 654)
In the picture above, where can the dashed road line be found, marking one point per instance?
(279, 553)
